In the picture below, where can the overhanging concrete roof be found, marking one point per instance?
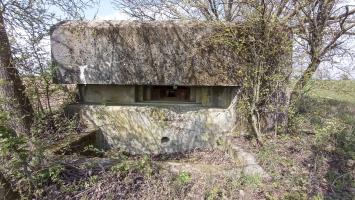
(141, 53)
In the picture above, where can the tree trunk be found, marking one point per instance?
(12, 91)
(306, 77)
(254, 121)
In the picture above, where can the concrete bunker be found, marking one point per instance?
(201, 96)
(158, 119)
(149, 87)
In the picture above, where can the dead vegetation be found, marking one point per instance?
(314, 164)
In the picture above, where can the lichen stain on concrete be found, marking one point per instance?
(113, 61)
(141, 53)
(140, 129)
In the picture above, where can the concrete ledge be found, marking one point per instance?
(245, 159)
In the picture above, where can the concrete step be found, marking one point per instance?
(246, 160)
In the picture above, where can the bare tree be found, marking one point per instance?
(319, 29)
(12, 89)
(16, 19)
(178, 9)
(322, 27)
(319, 26)
(212, 10)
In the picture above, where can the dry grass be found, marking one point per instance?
(314, 161)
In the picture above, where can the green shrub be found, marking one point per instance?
(184, 177)
(214, 193)
(143, 165)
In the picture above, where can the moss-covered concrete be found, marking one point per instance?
(107, 94)
(159, 129)
(142, 53)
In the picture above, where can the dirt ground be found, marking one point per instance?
(314, 160)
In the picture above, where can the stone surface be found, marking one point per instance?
(142, 53)
(204, 169)
(216, 97)
(105, 94)
(246, 160)
(111, 60)
(159, 129)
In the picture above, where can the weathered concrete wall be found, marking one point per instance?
(142, 53)
(157, 127)
(130, 54)
(215, 97)
(156, 130)
(107, 94)
(220, 97)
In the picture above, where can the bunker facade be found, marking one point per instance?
(149, 87)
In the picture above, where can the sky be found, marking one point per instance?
(107, 11)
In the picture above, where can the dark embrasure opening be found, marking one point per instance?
(169, 93)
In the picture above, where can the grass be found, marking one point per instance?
(337, 90)
(314, 164)
(184, 177)
(317, 163)
(331, 109)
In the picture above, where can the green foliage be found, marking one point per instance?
(248, 181)
(143, 165)
(262, 47)
(50, 174)
(23, 160)
(253, 180)
(346, 143)
(184, 177)
(326, 114)
(214, 193)
(295, 195)
(56, 123)
(14, 155)
(92, 151)
(340, 181)
(332, 121)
